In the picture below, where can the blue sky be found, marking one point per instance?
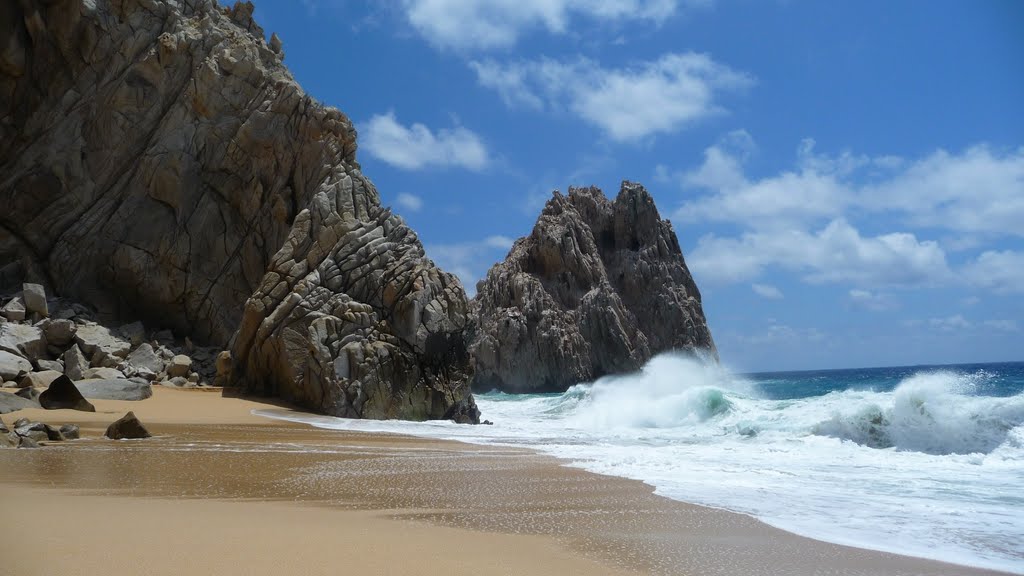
(846, 178)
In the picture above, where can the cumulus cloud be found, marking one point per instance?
(410, 202)
(978, 191)
(416, 147)
(627, 104)
(489, 24)
(767, 291)
(999, 271)
(966, 199)
(470, 260)
(835, 253)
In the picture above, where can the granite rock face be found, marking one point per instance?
(597, 288)
(153, 156)
(159, 162)
(353, 320)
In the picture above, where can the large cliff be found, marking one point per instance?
(159, 162)
(597, 288)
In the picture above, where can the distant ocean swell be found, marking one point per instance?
(919, 461)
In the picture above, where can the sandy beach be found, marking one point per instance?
(221, 491)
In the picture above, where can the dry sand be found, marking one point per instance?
(220, 491)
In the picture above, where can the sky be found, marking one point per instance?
(846, 178)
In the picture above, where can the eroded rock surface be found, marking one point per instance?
(159, 162)
(597, 288)
(353, 320)
(153, 156)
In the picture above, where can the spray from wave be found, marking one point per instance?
(933, 413)
(670, 391)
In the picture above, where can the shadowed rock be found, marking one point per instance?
(597, 288)
(127, 427)
(160, 163)
(62, 394)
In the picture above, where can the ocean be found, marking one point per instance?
(925, 461)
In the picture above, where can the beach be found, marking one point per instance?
(220, 490)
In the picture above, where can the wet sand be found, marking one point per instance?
(219, 490)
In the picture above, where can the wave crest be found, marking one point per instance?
(670, 391)
(932, 413)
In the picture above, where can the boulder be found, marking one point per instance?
(223, 365)
(75, 363)
(135, 333)
(29, 393)
(114, 389)
(50, 365)
(145, 357)
(34, 296)
(12, 403)
(3, 427)
(127, 427)
(23, 340)
(14, 310)
(26, 442)
(62, 394)
(39, 379)
(60, 332)
(101, 345)
(70, 432)
(180, 366)
(40, 432)
(102, 374)
(34, 431)
(597, 288)
(13, 365)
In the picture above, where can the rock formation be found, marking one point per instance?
(597, 288)
(158, 161)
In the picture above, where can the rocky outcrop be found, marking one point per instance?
(597, 288)
(158, 161)
(153, 156)
(353, 320)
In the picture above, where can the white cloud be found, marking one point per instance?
(973, 197)
(417, 147)
(1002, 325)
(836, 253)
(470, 260)
(627, 104)
(999, 271)
(777, 333)
(979, 191)
(870, 300)
(767, 291)
(410, 202)
(488, 24)
(950, 323)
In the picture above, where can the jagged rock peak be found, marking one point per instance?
(598, 287)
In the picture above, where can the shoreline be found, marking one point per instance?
(214, 449)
